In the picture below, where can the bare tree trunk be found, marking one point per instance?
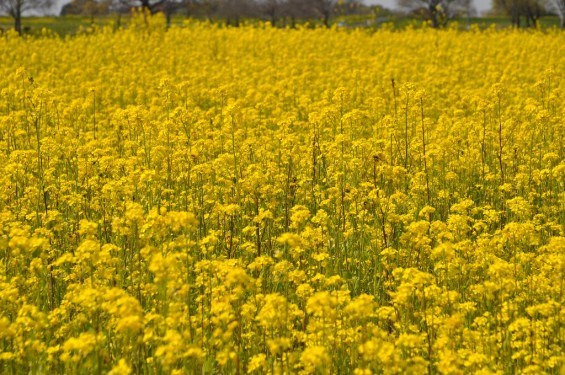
(534, 15)
(515, 17)
(145, 6)
(118, 20)
(17, 7)
(18, 22)
(169, 16)
(433, 15)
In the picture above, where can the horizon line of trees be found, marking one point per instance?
(521, 12)
(277, 12)
(287, 12)
(437, 12)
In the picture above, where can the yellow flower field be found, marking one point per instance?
(257, 200)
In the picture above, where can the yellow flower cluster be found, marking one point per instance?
(259, 200)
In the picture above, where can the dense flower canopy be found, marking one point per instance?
(237, 200)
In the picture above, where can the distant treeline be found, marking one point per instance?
(287, 12)
(277, 12)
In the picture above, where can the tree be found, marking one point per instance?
(149, 6)
(207, 8)
(324, 9)
(529, 10)
(559, 7)
(169, 8)
(233, 10)
(90, 8)
(295, 9)
(17, 8)
(272, 9)
(345, 7)
(191, 7)
(439, 12)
